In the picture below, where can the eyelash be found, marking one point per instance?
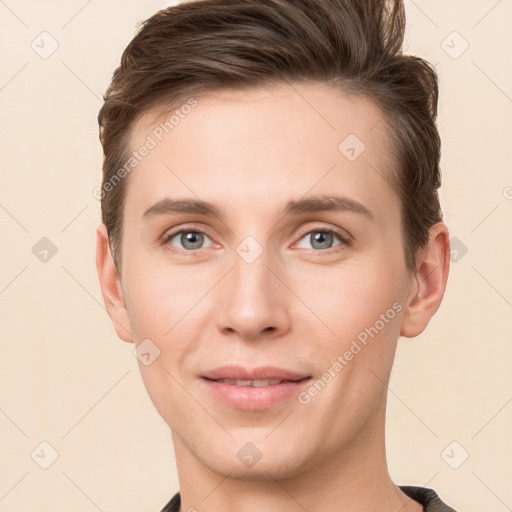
(345, 240)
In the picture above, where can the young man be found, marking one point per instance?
(271, 226)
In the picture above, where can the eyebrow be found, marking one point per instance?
(310, 204)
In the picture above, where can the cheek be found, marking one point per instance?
(164, 305)
(348, 299)
(162, 298)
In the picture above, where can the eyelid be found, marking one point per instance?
(344, 235)
(183, 227)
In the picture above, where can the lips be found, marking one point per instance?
(256, 389)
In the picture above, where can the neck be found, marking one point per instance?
(353, 478)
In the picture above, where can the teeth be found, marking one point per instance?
(252, 383)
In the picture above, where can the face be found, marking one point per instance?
(271, 272)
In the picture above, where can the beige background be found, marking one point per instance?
(66, 379)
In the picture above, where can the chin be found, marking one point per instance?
(270, 467)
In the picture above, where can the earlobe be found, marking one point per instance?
(110, 284)
(428, 283)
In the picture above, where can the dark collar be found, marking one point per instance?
(427, 497)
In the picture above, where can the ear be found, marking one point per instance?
(110, 283)
(428, 283)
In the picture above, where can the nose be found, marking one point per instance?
(252, 300)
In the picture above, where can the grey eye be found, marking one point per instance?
(320, 240)
(188, 239)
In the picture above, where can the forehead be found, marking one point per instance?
(285, 140)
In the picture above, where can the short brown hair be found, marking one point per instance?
(206, 45)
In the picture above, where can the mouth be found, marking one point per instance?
(256, 383)
(254, 394)
(240, 374)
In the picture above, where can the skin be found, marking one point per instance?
(299, 305)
